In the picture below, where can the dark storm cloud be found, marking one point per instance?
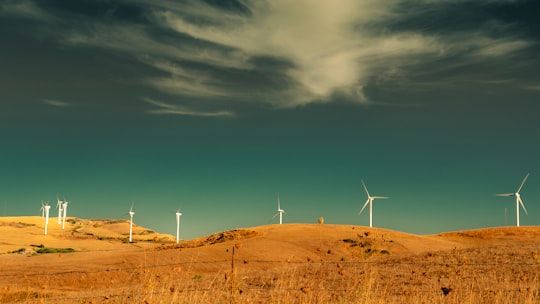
(285, 53)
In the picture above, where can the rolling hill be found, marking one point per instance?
(261, 261)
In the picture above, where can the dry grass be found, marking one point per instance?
(499, 266)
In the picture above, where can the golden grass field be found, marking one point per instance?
(290, 263)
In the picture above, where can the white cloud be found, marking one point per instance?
(135, 39)
(23, 8)
(532, 87)
(499, 47)
(164, 108)
(332, 45)
(330, 48)
(181, 81)
(324, 40)
(56, 103)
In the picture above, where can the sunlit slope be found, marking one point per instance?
(79, 234)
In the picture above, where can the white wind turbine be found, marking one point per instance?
(131, 213)
(279, 211)
(64, 209)
(46, 208)
(42, 209)
(178, 215)
(519, 201)
(59, 205)
(370, 202)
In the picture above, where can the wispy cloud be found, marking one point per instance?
(289, 53)
(532, 87)
(23, 8)
(56, 103)
(164, 108)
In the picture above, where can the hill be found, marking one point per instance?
(26, 233)
(298, 263)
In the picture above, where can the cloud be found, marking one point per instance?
(322, 40)
(56, 103)
(290, 53)
(163, 108)
(23, 8)
(532, 87)
(333, 48)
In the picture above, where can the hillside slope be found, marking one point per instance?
(25, 233)
(269, 260)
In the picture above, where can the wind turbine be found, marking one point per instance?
(370, 202)
(42, 209)
(519, 201)
(178, 215)
(131, 213)
(46, 208)
(59, 206)
(279, 211)
(64, 209)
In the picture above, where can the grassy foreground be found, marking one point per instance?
(480, 275)
(293, 263)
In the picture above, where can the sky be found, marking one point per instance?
(217, 107)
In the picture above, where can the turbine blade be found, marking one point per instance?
(379, 197)
(505, 194)
(275, 215)
(523, 206)
(278, 203)
(522, 183)
(365, 188)
(364, 207)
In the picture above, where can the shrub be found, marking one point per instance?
(54, 250)
(20, 250)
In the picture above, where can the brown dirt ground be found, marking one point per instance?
(106, 269)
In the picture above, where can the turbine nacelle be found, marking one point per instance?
(519, 201)
(369, 202)
(279, 212)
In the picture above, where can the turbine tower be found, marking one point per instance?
(519, 201)
(59, 204)
(178, 215)
(370, 202)
(131, 213)
(46, 208)
(279, 211)
(64, 209)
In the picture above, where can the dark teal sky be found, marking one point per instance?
(218, 108)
